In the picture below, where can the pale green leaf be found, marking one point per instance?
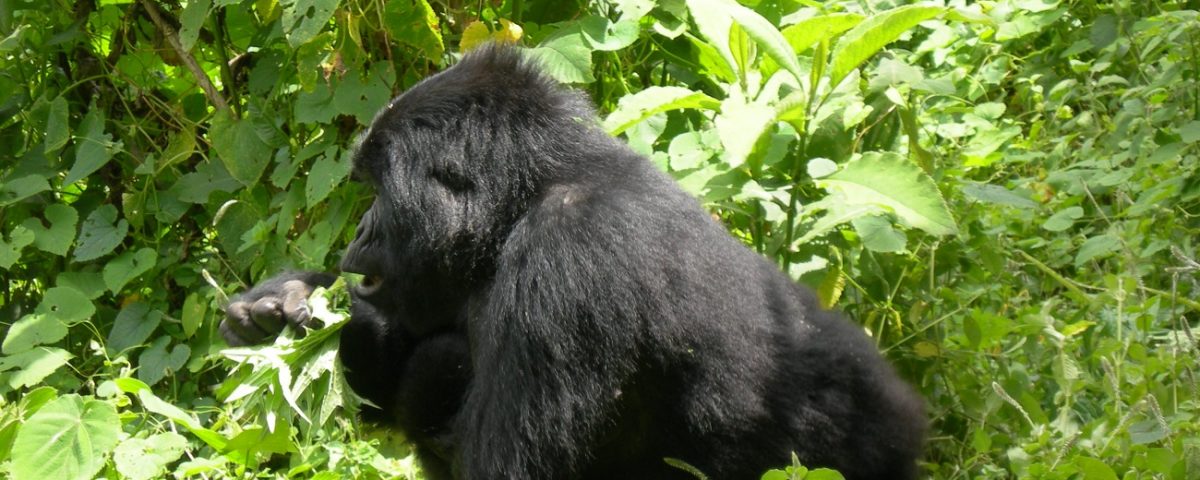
(68, 439)
(33, 330)
(810, 31)
(890, 181)
(326, 173)
(191, 20)
(635, 108)
(874, 33)
(739, 126)
(1096, 247)
(1063, 219)
(565, 58)
(147, 458)
(10, 250)
(16, 189)
(157, 362)
(244, 154)
(605, 35)
(33, 366)
(94, 148)
(58, 127)
(304, 19)
(132, 327)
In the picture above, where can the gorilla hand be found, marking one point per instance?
(261, 313)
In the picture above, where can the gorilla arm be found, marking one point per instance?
(552, 345)
(260, 314)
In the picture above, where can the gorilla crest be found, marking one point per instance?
(539, 301)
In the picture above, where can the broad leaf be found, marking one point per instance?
(303, 19)
(128, 266)
(132, 327)
(890, 181)
(94, 148)
(147, 458)
(810, 31)
(68, 439)
(33, 366)
(870, 36)
(632, 109)
(157, 362)
(58, 237)
(100, 234)
(58, 128)
(244, 154)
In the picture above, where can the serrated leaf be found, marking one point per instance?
(605, 35)
(890, 181)
(1063, 219)
(739, 126)
(100, 234)
(1099, 246)
(304, 19)
(997, 194)
(715, 19)
(147, 458)
(414, 23)
(361, 98)
(810, 31)
(58, 127)
(58, 237)
(565, 58)
(872, 34)
(94, 148)
(132, 327)
(33, 366)
(635, 108)
(878, 234)
(68, 439)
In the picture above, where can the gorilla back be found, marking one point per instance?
(541, 302)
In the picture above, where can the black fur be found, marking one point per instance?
(552, 306)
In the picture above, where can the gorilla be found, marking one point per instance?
(540, 302)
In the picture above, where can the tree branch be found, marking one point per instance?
(190, 62)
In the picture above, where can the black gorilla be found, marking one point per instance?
(540, 302)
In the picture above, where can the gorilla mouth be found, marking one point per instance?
(370, 284)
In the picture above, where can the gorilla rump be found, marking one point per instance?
(541, 302)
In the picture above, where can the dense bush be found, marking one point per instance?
(1004, 193)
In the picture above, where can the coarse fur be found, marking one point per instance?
(545, 303)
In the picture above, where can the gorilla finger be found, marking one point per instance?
(267, 315)
(238, 333)
(295, 304)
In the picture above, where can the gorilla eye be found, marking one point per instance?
(452, 179)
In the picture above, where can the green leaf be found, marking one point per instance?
(997, 194)
(33, 366)
(156, 362)
(156, 405)
(58, 127)
(244, 154)
(315, 106)
(100, 234)
(10, 251)
(565, 58)
(891, 181)
(58, 238)
(1099, 246)
(132, 327)
(414, 23)
(878, 234)
(1063, 219)
(635, 108)
(193, 314)
(874, 33)
(191, 20)
(147, 458)
(94, 148)
(820, 167)
(362, 99)
(739, 126)
(810, 31)
(197, 186)
(715, 19)
(17, 189)
(1093, 469)
(326, 173)
(605, 35)
(304, 19)
(128, 266)
(66, 304)
(33, 330)
(68, 439)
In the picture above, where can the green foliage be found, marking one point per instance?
(1003, 194)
